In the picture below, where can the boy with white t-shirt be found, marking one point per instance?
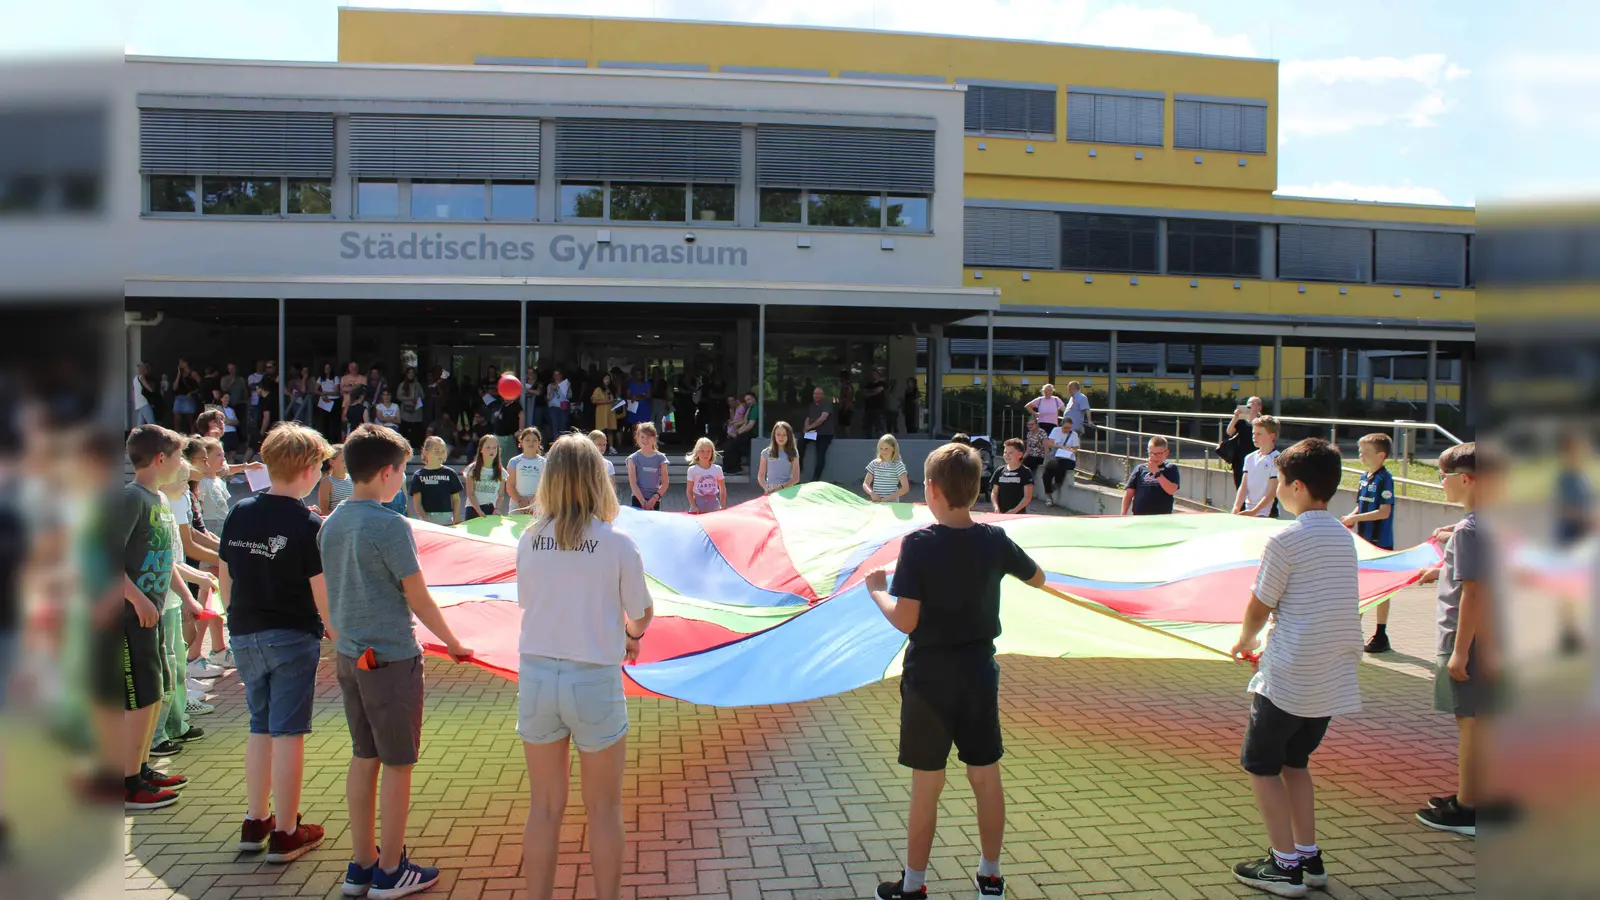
(1258, 492)
(1307, 583)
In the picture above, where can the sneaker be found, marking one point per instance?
(222, 659)
(200, 669)
(895, 890)
(1266, 875)
(198, 685)
(195, 733)
(287, 847)
(254, 834)
(1315, 875)
(1452, 817)
(147, 797)
(1048, 500)
(166, 748)
(1378, 644)
(408, 878)
(989, 886)
(1441, 802)
(357, 879)
(199, 707)
(161, 780)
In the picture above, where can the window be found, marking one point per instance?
(648, 202)
(1411, 368)
(844, 210)
(780, 205)
(1204, 247)
(224, 196)
(449, 200)
(907, 212)
(22, 193)
(1114, 117)
(583, 201)
(1011, 238)
(377, 198)
(1238, 126)
(310, 197)
(1011, 111)
(712, 202)
(513, 200)
(1427, 258)
(173, 194)
(1108, 243)
(1324, 253)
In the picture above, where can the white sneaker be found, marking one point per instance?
(200, 708)
(222, 658)
(200, 668)
(198, 685)
(1049, 502)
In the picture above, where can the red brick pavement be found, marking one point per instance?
(1122, 780)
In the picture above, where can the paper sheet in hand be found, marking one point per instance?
(325, 405)
(811, 435)
(258, 478)
(633, 406)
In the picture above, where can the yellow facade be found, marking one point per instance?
(1049, 171)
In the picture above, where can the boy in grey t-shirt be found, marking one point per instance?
(375, 583)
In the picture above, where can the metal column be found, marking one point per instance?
(761, 370)
(522, 350)
(283, 371)
(988, 382)
(1111, 377)
(1433, 386)
(1277, 375)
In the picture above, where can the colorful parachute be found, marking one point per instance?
(763, 603)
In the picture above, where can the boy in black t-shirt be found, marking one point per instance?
(1013, 485)
(277, 602)
(946, 596)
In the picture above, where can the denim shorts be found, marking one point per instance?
(279, 670)
(557, 698)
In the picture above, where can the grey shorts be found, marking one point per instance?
(558, 698)
(383, 708)
(1462, 699)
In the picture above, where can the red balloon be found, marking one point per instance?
(510, 388)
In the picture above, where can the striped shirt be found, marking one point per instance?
(885, 476)
(1308, 577)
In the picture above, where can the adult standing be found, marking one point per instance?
(348, 383)
(892, 398)
(638, 398)
(818, 431)
(185, 397)
(329, 420)
(409, 395)
(1239, 439)
(1047, 408)
(583, 616)
(144, 412)
(741, 431)
(658, 399)
(535, 405)
(845, 406)
(1078, 408)
(505, 423)
(300, 395)
(232, 384)
(874, 397)
(1152, 484)
(376, 383)
(908, 406)
(604, 398)
(560, 400)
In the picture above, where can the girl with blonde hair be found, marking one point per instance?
(706, 489)
(585, 607)
(886, 479)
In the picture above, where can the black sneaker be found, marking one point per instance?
(1451, 817)
(1378, 644)
(989, 886)
(1440, 802)
(1266, 875)
(1315, 875)
(166, 748)
(895, 890)
(195, 733)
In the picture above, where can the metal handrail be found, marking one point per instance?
(1292, 420)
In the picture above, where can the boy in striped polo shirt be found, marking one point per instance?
(1306, 674)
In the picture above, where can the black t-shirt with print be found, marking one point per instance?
(1149, 497)
(269, 544)
(955, 574)
(1012, 483)
(503, 418)
(436, 487)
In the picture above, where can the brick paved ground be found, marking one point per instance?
(1122, 780)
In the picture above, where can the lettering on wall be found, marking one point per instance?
(565, 249)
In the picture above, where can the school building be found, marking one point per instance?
(777, 206)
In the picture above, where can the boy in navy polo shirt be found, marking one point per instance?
(1373, 520)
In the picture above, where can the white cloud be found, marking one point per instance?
(1332, 96)
(1065, 21)
(1545, 92)
(1380, 193)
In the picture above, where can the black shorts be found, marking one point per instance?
(468, 514)
(127, 663)
(1275, 739)
(957, 704)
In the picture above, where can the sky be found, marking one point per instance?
(1414, 101)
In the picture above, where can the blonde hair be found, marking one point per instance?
(894, 446)
(957, 470)
(772, 448)
(693, 458)
(1267, 424)
(645, 428)
(432, 441)
(291, 448)
(574, 490)
(598, 437)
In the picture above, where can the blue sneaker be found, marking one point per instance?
(408, 878)
(357, 879)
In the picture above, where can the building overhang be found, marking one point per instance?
(1232, 324)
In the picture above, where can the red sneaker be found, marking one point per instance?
(253, 836)
(282, 847)
(163, 781)
(147, 797)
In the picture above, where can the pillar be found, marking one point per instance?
(283, 366)
(741, 357)
(1277, 376)
(522, 342)
(1336, 382)
(1433, 387)
(1199, 384)
(988, 381)
(1111, 374)
(1269, 252)
(761, 369)
(935, 392)
(346, 327)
